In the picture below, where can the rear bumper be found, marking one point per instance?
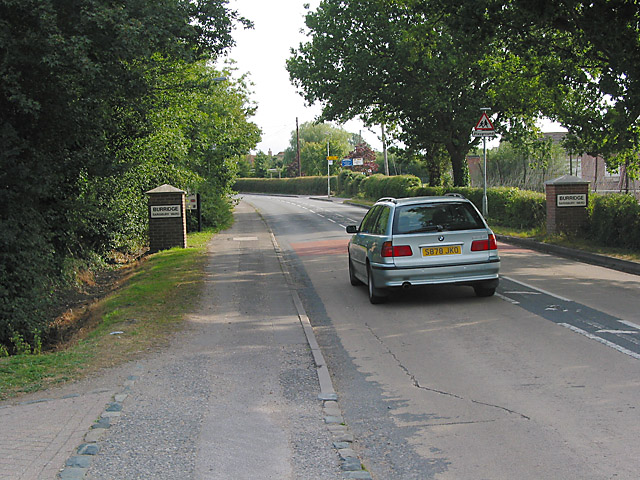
(388, 276)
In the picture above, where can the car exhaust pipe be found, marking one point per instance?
(406, 285)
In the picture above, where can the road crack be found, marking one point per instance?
(416, 382)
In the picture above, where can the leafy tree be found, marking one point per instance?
(596, 73)
(261, 164)
(406, 63)
(368, 156)
(435, 171)
(90, 117)
(244, 168)
(313, 147)
(525, 164)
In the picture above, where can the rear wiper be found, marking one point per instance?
(430, 228)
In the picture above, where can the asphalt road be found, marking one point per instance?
(540, 381)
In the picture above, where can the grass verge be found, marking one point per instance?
(567, 241)
(139, 317)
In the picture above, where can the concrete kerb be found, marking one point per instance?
(77, 466)
(342, 439)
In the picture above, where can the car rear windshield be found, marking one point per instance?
(433, 217)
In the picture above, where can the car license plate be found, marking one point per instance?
(435, 251)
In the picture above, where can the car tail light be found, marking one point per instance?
(483, 245)
(389, 250)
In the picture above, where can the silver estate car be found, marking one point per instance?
(422, 241)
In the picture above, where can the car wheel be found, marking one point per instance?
(375, 295)
(484, 291)
(352, 277)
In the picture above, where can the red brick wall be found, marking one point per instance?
(165, 233)
(565, 219)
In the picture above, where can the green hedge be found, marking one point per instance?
(614, 220)
(378, 186)
(290, 186)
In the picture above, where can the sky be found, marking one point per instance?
(262, 53)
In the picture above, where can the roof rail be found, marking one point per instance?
(388, 199)
(452, 194)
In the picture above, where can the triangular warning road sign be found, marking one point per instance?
(484, 123)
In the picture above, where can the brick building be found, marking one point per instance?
(594, 169)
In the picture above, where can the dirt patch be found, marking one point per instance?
(77, 308)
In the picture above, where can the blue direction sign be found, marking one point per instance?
(347, 162)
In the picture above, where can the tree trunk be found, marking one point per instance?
(459, 164)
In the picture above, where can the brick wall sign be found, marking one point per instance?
(567, 199)
(166, 211)
(571, 200)
(167, 219)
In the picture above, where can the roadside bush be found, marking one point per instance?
(291, 186)
(349, 183)
(524, 209)
(27, 267)
(614, 220)
(378, 186)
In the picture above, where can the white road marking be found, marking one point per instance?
(507, 299)
(630, 332)
(630, 324)
(601, 340)
(538, 289)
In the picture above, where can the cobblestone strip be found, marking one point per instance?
(77, 465)
(341, 435)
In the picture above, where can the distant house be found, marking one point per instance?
(476, 172)
(604, 181)
(594, 169)
(250, 158)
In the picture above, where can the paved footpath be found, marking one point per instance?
(39, 432)
(236, 395)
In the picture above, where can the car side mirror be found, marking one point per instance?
(352, 229)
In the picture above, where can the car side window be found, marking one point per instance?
(369, 219)
(380, 227)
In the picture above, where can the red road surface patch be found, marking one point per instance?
(321, 247)
(505, 247)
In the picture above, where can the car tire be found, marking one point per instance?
(375, 295)
(352, 278)
(484, 291)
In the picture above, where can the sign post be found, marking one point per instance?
(329, 163)
(328, 173)
(193, 203)
(484, 128)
